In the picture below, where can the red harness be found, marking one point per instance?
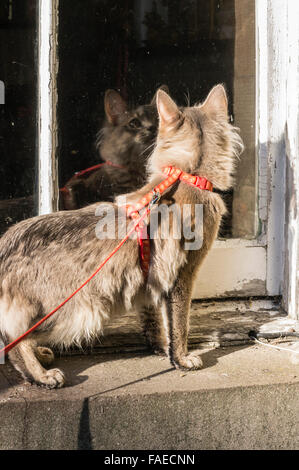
(173, 175)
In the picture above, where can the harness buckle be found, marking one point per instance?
(155, 198)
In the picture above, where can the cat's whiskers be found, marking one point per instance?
(99, 138)
(149, 147)
(187, 98)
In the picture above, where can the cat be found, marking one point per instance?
(44, 259)
(124, 143)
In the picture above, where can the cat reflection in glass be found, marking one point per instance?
(124, 143)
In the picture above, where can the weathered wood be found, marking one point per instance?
(47, 104)
(233, 268)
(244, 105)
(272, 103)
(291, 266)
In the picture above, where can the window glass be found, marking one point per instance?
(18, 40)
(132, 46)
(136, 46)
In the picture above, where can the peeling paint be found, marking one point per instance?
(230, 272)
(248, 288)
(47, 101)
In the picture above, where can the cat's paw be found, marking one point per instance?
(53, 378)
(155, 347)
(158, 351)
(191, 361)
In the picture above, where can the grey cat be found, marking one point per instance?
(124, 143)
(44, 259)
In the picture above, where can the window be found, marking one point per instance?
(18, 131)
(135, 46)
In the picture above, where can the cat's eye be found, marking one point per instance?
(135, 123)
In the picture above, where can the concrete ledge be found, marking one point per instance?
(244, 398)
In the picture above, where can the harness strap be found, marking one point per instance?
(173, 175)
(95, 167)
(196, 181)
(65, 191)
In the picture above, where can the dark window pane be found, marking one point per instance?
(18, 115)
(134, 47)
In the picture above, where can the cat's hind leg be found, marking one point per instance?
(44, 355)
(24, 357)
(17, 314)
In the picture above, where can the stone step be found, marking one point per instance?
(245, 397)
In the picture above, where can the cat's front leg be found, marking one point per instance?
(176, 311)
(153, 330)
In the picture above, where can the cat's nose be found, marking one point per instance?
(152, 129)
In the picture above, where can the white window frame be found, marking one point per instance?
(277, 143)
(268, 264)
(47, 106)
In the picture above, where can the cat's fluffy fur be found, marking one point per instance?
(42, 260)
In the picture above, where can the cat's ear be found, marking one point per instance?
(162, 87)
(168, 111)
(216, 104)
(115, 106)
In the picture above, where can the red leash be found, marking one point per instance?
(7, 348)
(151, 198)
